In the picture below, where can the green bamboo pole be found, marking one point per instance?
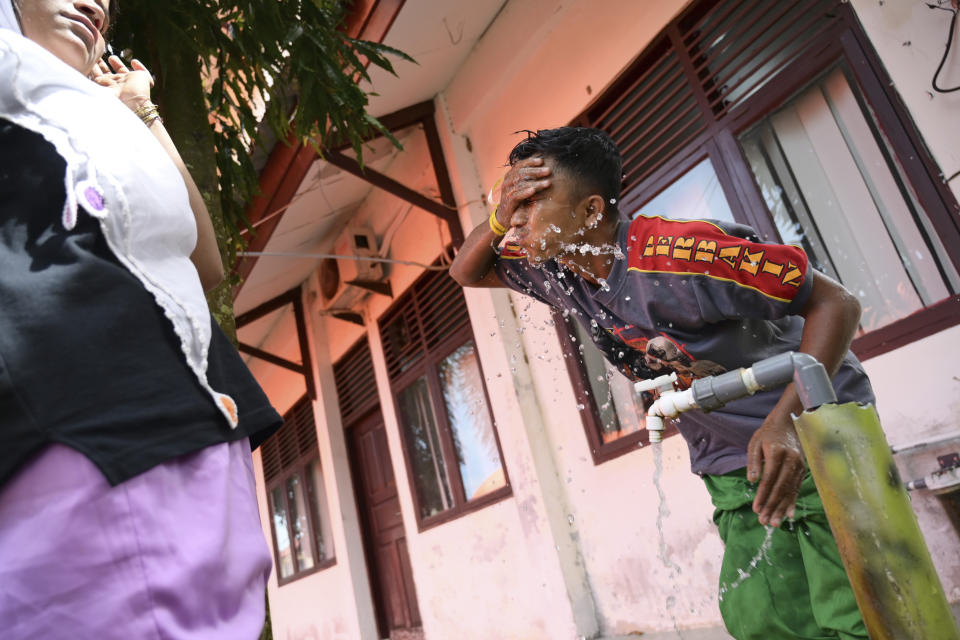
(883, 550)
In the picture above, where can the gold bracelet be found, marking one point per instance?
(148, 113)
(495, 225)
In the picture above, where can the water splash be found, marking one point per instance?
(662, 513)
(662, 510)
(761, 555)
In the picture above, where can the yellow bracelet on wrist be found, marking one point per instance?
(495, 225)
(148, 113)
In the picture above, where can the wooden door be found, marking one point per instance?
(385, 544)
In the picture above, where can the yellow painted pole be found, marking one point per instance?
(883, 550)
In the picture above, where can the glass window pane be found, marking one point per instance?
(480, 467)
(298, 517)
(423, 449)
(620, 410)
(696, 195)
(827, 174)
(279, 514)
(321, 512)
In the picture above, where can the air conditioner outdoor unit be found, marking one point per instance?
(343, 282)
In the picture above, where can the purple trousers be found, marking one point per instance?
(174, 553)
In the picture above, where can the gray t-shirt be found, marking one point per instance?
(698, 297)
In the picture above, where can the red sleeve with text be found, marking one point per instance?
(738, 274)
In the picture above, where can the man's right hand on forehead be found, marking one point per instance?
(524, 180)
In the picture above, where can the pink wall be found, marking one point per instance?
(575, 550)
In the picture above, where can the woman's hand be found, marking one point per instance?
(131, 86)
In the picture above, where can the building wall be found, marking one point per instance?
(542, 81)
(499, 558)
(576, 549)
(558, 64)
(910, 39)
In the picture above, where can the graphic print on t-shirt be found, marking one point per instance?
(662, 355)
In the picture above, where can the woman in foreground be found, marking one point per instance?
(127, 501)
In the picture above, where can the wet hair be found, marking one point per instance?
(586, 155)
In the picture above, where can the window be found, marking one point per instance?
(299, 514)
(779, 115)
(450, 443)
(822, 166)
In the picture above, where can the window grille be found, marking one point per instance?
(699, 71)
(356, 384)
(296, 438)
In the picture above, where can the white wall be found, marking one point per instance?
(918, 399)
(910, 39)
(333, 603)
(532, 71)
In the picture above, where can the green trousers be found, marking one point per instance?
(795, 587)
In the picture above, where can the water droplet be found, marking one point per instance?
(580, 407)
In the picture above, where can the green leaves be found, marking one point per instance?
(276, 67)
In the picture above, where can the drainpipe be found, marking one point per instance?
(883, 550)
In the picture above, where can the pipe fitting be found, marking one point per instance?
(655, 427)
(672, 404)
(812, 382)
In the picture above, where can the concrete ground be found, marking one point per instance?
(713, 633)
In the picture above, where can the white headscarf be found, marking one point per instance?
(8, 19)
(118, 173)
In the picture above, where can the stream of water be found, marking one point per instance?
(662, 513)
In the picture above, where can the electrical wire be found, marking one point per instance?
(321, 256)
(946, 51)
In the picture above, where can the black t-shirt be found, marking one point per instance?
(87, 358)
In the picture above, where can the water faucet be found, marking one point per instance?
(812, 383)
(663, 385)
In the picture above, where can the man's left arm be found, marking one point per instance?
(774, 457)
